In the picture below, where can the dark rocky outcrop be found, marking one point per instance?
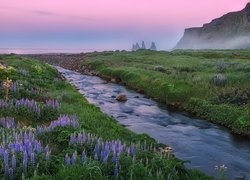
(121, 98)
(153, 46)
(231, 31)
(143, 46)
(136, 46)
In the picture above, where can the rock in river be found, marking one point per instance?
(121, 98)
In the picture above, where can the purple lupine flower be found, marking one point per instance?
(114, 158)
(102, 149)
(2, 149)
(73, 158)
(32, 158)
(17, 146)
(62, 121)
(74, 123)
(8, 122)
(53, 103)
(6, 157)
(38, 146)
(67, 159)
(25, 157)
(14, 87)
(105, 155)
(13, 162)
(47, 148)
(83, 156)
(47, 156)
(72, 138)
(79, 138)
(19, 142)
(30, 148)
(30, 104)
(132, 151)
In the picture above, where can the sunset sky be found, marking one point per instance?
(104, 24)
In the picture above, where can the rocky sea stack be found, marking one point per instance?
(136, 46)
(231, 31)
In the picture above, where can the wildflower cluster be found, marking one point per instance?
(30, 107)
(19, 151)
(50, 110)
(9, 122)
(62, 121)
(52, 103)
(14, 87)
(104, 151)
(28, 104)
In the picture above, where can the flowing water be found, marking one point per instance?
(204, 144)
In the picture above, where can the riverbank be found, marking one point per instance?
(191, 139)
(212, 85)
(68, 137)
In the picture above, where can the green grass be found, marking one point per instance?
(184, 80)
(147, 164)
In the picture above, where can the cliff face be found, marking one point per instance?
(231, 31)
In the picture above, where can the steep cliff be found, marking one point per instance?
(231, 31)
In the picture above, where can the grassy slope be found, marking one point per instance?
(92, 120)
(184, 79)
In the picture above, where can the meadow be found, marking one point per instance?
(49, 131)
(212, 85)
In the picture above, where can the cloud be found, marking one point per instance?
(44, 13)
(47, 13)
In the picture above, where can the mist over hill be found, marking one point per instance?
(231, 31)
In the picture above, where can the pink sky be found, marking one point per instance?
(142, 16)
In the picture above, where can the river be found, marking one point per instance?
(204, 144)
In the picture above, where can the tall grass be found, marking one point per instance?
(213, 85)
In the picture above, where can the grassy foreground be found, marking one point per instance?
(49, 131)
(214, 85)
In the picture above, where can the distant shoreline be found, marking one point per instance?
(47, 51)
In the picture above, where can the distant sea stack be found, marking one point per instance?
(153, 46)
(136, 46)
(231, 31)
(143, 46)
